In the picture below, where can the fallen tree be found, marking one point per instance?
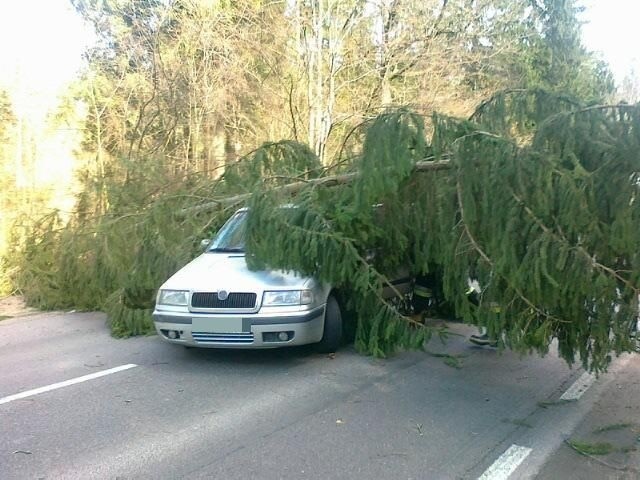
(535, 197)
(538, 203)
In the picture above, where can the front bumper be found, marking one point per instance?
(302, 328)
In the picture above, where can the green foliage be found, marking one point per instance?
(547, 223)
(556, 60)
(130, 233)
(539, 205)
(554, 226)
(124, 320)
(274, 164)
(392, 146)
(328, 232)
(518, 113)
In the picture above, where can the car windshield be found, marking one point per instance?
(230, 238)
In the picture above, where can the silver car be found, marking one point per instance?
(216, 301)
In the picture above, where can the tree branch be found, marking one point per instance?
(486, 258)
(331, 181)
(562, 239)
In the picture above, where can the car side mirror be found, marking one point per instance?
(204, 243)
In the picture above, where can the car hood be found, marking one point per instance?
(211, 272)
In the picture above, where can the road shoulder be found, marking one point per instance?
(14, 306)
(606, 443)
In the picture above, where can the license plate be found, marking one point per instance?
(217, 325)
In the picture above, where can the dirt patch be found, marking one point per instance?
(14, 306)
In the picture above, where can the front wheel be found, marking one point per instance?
(332, 334)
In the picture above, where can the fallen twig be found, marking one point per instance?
(626, 468)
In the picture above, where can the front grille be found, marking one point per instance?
(229, 338)
(234, 300)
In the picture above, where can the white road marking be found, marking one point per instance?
(66, 383)
(579, 387)
(506, 464)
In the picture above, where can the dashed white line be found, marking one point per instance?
(579, 387)
(66, 383)
(506, 464)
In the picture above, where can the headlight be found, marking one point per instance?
(287, 297)
(173, 297)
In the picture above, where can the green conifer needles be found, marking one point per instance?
(535, 196)
(540, 205)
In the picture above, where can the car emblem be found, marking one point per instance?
(223, 295)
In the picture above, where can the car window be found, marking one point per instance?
(230, 238)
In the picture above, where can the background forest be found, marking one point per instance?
(185, 104)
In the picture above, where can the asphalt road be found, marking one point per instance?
(273, 414)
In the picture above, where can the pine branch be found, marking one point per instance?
(625, 468)
(518, 92)
(363, 261)
(487, 259)
(579, 248)
(331, 181)
(591, 108)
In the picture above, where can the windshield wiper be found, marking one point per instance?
(226, 250)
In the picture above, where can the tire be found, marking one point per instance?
(332, 334)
